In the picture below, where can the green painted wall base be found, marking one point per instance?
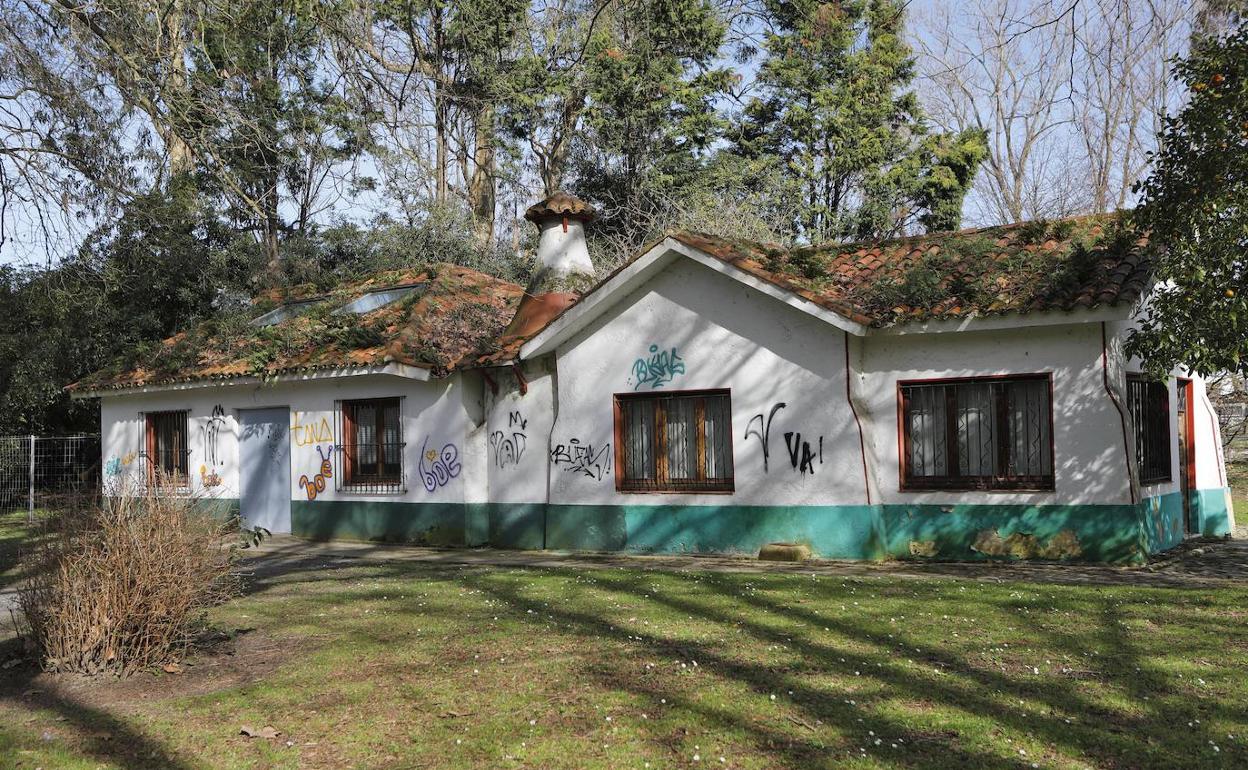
(437, 524)
(1100, 533)
(218, 507)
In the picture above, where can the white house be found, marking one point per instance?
(956, 395)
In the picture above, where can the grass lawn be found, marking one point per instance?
(15, 534)
(397, 665)
(1237, 477)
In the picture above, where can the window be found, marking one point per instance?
(988, 433)
(165, 444)
(377, 299)
(1149, 404)
(677, 442)
(372, 449)
(285, 312)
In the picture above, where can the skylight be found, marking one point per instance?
(285, 312)
(377, 299)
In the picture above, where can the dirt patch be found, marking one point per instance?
(237, 659)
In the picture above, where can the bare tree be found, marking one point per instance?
(1121, 87)
(1070, 94)
(979, 75)
(1229, 395)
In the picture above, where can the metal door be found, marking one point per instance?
(264, 465)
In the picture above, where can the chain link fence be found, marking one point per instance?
(40, 471)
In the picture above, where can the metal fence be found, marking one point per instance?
(38, 471)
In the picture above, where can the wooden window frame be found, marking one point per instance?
(1139, 378)
(180, 419)
(956, 483)
(381, 482)
(661, 483)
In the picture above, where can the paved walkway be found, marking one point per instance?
(1197, 563)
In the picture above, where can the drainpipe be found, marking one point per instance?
(550, 438)
(862, 444)
(1122, 415)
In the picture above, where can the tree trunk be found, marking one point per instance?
(481, 188)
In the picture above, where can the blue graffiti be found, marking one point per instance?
(659, 369)
(438, 468)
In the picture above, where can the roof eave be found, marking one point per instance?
(393, 369)
(1117, 312)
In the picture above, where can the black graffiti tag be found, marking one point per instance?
(763, 430)
(801, 455)
(582, 458)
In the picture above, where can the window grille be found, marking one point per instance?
(1149, 404)
(676, 442)
(370, 456)
(166, 452)
(985, 433)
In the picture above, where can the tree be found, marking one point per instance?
(649, 118)
(1193, 212)
(837, 114)
(1068, 93)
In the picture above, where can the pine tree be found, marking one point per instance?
(838, 115)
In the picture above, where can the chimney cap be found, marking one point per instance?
(561, 204)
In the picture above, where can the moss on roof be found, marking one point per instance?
(453, 316)
(1067, 264)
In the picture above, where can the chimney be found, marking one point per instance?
(563, 267)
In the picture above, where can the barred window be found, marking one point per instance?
(676, 442)
(165, 444)
(986, 433)
(372, 448)
(1149, 404)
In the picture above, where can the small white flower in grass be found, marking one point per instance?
(773, 696)
(532, 721)
(697, 757)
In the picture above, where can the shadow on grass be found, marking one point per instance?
(100, 735)
(1060, 711)
(1078, 720)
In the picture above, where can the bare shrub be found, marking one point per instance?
(122, 583)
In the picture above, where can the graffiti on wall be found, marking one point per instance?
(509, 445)
(581, 458)
(438, 468)
(659, 369)
(316, 485)
(209, 432)
(760, 427)
(115, 465)
(803, 456)
(208, 479)
(307, 434)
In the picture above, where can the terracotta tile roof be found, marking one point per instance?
(1084, 262)
(451, 317)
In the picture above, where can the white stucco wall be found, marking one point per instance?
(517, 435)
(434, 414)
(726, 336)
(1207, 442)
(1090, 465)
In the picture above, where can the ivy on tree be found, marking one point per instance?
(1193, 209)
